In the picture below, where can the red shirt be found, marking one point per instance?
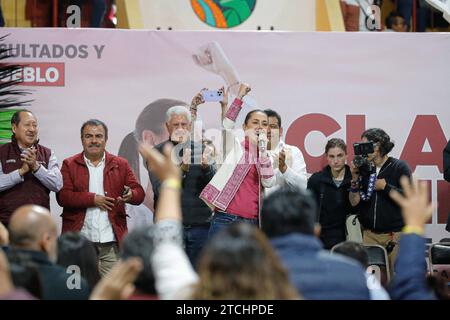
(246, 200)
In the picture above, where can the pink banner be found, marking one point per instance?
(324, 85)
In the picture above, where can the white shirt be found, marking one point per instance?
(295, 176)
(174, 274)
(50, 177)
(97, 227)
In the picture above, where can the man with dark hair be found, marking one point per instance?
(288, 220)
(28, 170)
(139, 243)
(380, 216)
(288, 162)
(96, 187)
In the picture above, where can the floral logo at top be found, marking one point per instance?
(223, 13)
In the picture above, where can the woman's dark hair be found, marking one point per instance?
(75, 249)
(239, 263)
(151, 118)
(139, 243)
(248, 116)
(336, 143)
(381, 137)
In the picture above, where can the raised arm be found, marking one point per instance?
(410, 267)
(172, 269)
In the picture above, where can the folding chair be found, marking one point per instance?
(378, 259)
(439, 257)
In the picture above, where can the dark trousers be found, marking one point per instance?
(221, 220)
(195, 238)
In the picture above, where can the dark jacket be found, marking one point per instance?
(333, 204)
(75, 197)
(447, 162)
(409, 282)
(381, 214)
(316, 273)
(54, 278)
(195, 211)
(31, 190)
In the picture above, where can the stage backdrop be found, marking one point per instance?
(324, 85)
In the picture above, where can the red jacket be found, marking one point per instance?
(75, 197)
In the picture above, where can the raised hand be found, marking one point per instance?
(118, 284)
(244, 89)
(160, 164)
(416, 207)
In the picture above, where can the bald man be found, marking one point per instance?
(33, 235)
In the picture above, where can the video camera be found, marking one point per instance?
(362, 150)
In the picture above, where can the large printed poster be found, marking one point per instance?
(324, 85)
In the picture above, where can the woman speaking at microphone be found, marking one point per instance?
(235, 192)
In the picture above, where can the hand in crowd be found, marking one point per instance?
(4, 235)
(380, 184)
(416, 207)
(126, 195)
(29, 156)
(160, 164)
(118, 284)
(104, 203)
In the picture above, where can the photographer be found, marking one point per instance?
(372, 180)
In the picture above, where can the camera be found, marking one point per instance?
(362, 150)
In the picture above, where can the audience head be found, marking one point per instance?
(32, 227)
(75, 249)
(353, 250)
(288, 211)
(139, 243)
(239, 263)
